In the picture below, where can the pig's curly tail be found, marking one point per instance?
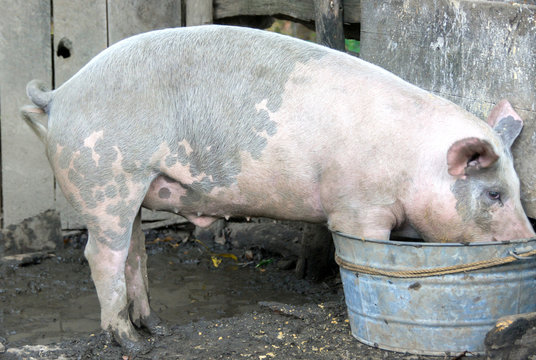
(38, 92)
(36, 116)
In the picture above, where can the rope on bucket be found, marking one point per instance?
(454, 269)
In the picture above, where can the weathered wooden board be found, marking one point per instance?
(198, 12)
(79, 35)
(299, 9)
(513, 337)
(27, 181)
(130, 17)
(329, 23)
(474, 53)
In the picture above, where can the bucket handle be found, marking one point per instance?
(518, 253)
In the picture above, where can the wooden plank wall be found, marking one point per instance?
(298, 9)
(27, 181)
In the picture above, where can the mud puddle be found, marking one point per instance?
(47, 302)
(217, 308)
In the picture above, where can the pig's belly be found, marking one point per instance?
(202, 208)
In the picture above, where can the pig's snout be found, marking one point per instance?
(512, 223)
(516, 232)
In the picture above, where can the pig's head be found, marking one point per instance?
(483, 200)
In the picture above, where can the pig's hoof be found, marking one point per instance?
(155, 325)
(132, 348)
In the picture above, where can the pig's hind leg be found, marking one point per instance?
(110, 220)
(108, 273)
(107, 191)
(137, 281)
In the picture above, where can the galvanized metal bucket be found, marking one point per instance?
(435, 315)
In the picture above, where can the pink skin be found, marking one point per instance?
(108, 274)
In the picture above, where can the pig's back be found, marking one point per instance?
(173, 83)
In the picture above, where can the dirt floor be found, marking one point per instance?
(216, 306)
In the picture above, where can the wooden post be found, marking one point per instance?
(329, 23)
(316, 259)
(127, 18)
(27, 180)
(198, 12)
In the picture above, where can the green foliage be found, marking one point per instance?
(353, 46)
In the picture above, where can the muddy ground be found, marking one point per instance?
(248, 308)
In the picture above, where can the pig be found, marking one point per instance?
(215, 121)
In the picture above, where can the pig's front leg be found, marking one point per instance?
(137, 281)
(108, 274)
(356, 209)
(369, 223)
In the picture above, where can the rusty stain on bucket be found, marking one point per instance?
(434, 315)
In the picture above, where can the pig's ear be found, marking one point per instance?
(506, 122)
(470, 153)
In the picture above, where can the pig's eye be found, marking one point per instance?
(494, 195)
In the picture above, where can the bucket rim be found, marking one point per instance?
(432, 244)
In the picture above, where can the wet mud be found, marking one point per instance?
(218, 307)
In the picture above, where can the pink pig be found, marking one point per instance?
(214, 121)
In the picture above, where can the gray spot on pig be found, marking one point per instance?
(472, 201)
(122, 185)
(206, 184)
(468, 204)
(89, 200)
(64, 160)
(111, 234)
(124, 210)
(74, 177)
(191, 198)
(171, 160)
(164, 193)
(99, 196)
(104, 148)
(181, 155)
(111, 191)
(219, 124)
